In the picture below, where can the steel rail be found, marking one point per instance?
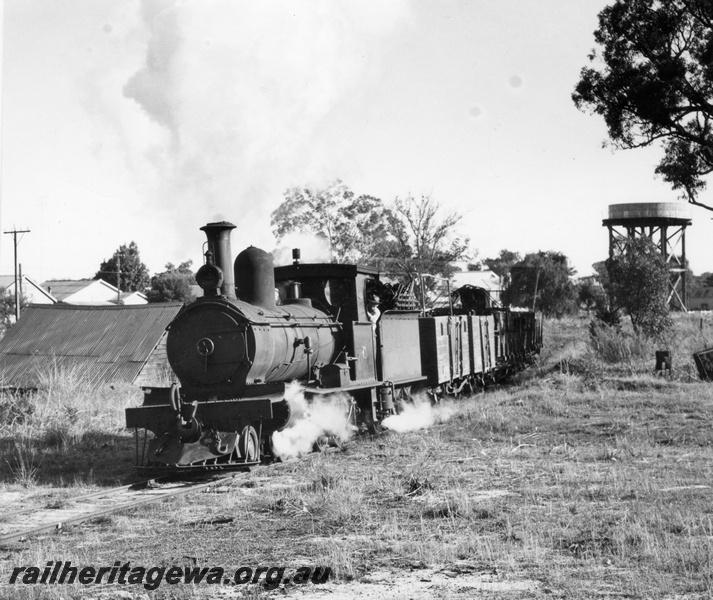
(152, 495)
(138, 485)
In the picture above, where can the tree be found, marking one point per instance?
(502, 264)
(411, 237)
(698, 283)
(602, 274)
(653, 81)
(591, 294)
(7, 310)
(134, 274)
(542, 280)
(639, 282)
(605, 313)
(173, 285)
(423, 239)
(350, 225)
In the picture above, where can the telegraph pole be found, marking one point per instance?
(14, 233)
(2, 89)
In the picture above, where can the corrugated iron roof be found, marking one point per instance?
(6, 281)
(109, 343)
(62, 288)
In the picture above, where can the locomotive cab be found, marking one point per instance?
(341, 291)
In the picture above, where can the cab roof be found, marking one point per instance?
(325, 270)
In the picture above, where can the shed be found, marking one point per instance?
(109, 343)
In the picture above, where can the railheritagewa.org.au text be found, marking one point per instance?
(64, 572)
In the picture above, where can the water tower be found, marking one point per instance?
(665, 224)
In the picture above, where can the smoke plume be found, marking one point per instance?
(310, 420)
(419, 415)
(313, 249)
(244, 99)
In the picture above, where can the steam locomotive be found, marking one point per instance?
(334, 328)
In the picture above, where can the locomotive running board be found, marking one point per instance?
(215, 414)
(373, 383)
(364, 385)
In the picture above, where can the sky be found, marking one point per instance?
(128, 120)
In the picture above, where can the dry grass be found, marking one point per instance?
(63, 432)
(570, 346)
(582, 479)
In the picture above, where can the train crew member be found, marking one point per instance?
(372, 309)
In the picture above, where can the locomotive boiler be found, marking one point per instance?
(232, 357)
(335, 328)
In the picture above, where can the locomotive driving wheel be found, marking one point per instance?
(249, 444)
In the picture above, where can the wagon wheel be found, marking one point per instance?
(403, 397)
(249, 444)
(435, 394)
(376, 428)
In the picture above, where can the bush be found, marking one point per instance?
(639, 282)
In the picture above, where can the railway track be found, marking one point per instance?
(24, 523)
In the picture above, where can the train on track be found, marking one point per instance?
(336, 328)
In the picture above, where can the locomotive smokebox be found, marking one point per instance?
(255, 277)
(218, 235)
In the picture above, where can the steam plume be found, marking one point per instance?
(419, 415)
(313, 248)
(308, 421)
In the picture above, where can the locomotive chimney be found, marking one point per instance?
(218, 235)
(255, 277)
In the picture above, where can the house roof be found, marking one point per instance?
(63, 288)
(131, 298)
(108, 343)
(7, 282)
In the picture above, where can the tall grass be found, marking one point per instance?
(614, 345)
(66, 412)
(611, 349)
(64, 407)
